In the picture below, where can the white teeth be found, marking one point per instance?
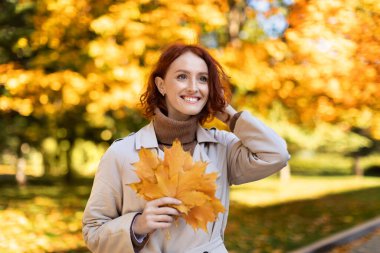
(190, 99)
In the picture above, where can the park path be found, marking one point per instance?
(372, 245)
(364, 238)
(369, 243)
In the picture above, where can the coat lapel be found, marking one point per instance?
(146, 137)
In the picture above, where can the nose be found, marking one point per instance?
(192, 85)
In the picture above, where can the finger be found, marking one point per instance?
(166, 201)
(157, 225)
(166, 211)
(163, 218)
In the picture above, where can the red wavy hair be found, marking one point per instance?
(219, 92)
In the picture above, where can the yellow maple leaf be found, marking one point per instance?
(147, 165)
(179, 177)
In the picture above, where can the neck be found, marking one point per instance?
(167, 130)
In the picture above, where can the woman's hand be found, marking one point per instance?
(227, 115)
(156, 215)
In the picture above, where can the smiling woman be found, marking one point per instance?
(187, 65)
(186, 87)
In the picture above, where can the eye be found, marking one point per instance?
(181, 77)
(203, 79)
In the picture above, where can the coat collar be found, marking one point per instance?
(204, 135)
(146, 137)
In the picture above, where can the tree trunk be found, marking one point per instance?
(356, 168)
(285, 174)
(69, 177)
(236, 18)
(20, 171)
(46, 163)
(69, 173)
(20, 167)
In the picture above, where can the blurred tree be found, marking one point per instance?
(330, 61)
(330, 74)
(324, 72)
(363, 151)
(75, 69)
(16, 133)
(14, 24)
(85, 65)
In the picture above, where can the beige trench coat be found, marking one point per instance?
(252, 152)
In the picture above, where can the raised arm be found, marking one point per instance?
(254, 150)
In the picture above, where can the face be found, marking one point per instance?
(185, 86)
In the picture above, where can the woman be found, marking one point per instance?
(186, 87)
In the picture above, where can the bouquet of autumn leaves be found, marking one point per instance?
(179, 177)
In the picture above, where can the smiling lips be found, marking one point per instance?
(190, 99)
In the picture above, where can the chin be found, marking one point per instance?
(191, 113)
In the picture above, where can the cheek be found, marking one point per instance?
(174, 87)
(205, 91)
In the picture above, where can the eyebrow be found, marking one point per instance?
(182, 70)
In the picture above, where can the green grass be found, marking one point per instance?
(42, 218)
(279, 217)
(265, 216)
(329, 164)
(321, 164)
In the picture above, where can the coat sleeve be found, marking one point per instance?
(254, 151)
(104, 228)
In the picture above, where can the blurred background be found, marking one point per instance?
(71, 72)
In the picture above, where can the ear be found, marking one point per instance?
(160, 84)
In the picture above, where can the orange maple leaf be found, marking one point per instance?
(179, 177)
